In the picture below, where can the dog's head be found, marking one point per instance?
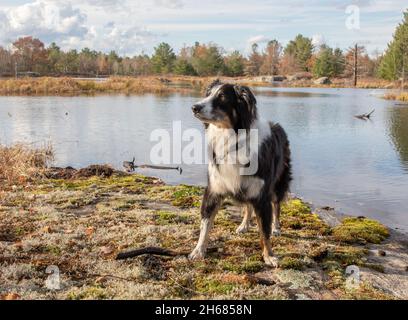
(227, 106)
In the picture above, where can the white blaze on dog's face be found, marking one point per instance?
(227, 106)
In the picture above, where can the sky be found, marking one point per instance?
(134, 26)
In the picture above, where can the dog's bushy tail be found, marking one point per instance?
(284, 178)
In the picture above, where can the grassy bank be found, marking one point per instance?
(401, 96)
(72, 86)
(79, 221)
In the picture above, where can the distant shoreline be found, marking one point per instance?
(44, 86)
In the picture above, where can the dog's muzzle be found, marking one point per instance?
(197, 108)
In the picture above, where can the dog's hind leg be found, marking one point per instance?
(263, 211)
(209, 209)
(276, 227)
(246, 222)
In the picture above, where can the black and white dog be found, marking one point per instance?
(231, 108)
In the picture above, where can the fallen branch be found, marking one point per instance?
(130, 166)
(365, 116)
(156, 251)
(150, 250)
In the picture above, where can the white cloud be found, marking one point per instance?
(60, 21)
(124, 40)
(258, 39)
(46, 19)
(318, 40)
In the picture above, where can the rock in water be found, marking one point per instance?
(322, 80)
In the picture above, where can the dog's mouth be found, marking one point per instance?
(202, 118)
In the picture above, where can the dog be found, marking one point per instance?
(232, 108)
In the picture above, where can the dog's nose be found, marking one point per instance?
(197, 108)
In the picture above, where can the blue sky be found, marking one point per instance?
(133, 26)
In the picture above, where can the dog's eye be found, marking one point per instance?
(222, 96)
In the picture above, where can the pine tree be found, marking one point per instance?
(328, 63)
(394, 64)
(235, 64)
(301, 48)
(163, 58)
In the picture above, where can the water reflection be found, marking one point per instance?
(398, 128)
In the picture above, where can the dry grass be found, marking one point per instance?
(71, 86)
(402, 96)
(20, 163)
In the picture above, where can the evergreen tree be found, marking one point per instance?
(183, 67)
(394, 64)
(328, 63)
(301, 48)
(163, 58)
(235, 64)
(207, 60)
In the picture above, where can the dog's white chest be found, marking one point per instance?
(224, 170)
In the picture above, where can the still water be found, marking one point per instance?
(358, 167)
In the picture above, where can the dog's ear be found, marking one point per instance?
(211, 86)
(245, 94)
(246, 108)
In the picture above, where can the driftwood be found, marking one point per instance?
(151, 250)
(130, 166)
(365, 116)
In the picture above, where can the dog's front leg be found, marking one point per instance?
(209, 209)
(263, 211)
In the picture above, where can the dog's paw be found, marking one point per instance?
(197, 254)
(271, 261)
(276, 233)
(243, 228)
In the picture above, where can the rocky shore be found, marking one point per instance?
(76, 222)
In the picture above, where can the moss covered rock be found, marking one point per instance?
(360, 230)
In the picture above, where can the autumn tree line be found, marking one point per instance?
(28, 54)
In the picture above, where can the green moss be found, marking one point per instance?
(90, 293)
(213, 286)
(235, 264)
(297, 215)
(347, 255)
(291, 263)
(114, 182)
(186, 196)
(54, 250)
(19, 231)
(360, 230)
(295, 207)
(166, 218)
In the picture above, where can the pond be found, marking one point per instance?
(357, 167)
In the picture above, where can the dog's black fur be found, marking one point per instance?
(234, 107)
